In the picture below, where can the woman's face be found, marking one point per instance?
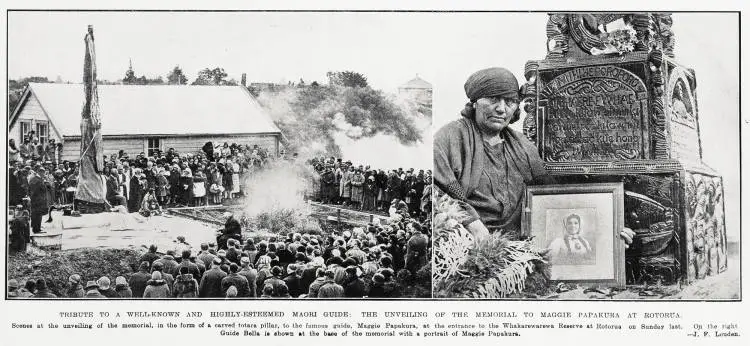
(494, 114)
(572, 226)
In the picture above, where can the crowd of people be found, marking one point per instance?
(370, 189)
(373, 261)
(377, 261)
(39, 178)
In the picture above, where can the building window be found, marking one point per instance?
(42, 131)
(154, 146)
(25, 127)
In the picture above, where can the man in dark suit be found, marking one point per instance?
(38, 195)
(113, 189)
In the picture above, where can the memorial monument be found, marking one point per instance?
(610, 103)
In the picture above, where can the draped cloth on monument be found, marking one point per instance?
(91, 183)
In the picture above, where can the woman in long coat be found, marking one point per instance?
(135, 192)
(161, 186)
(328, 183)
(370, 194)
(235, 177)
(227, 179)
(174, 184)
(357, 181)
(345, 188)
(186, 185)
(381, 181)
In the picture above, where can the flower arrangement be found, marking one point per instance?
(622, 40)
(492, 267)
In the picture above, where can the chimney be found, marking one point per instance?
(244, 80)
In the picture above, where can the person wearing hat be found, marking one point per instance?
(12, 289)
(185, 286)
(417, 248)
(165, 275)
(482, 163)
(335, 264)
(275, 279)
(354, 286)
(205, 256)
(330, 289)
(114, 195)
(162, 185)
(139, 280)
(369, 194)
(75, 287)
(92, 290)
(355, 252)
(19, 230)
(234, 279)
(105, 287)
(169, 262)
(42, 291)
(181, 245)
(210, 284)
(345, 185)
(38, 192)
(393, 188)
(377, 289)
(371, 265)
(122, 288)
(156, 287)
(320, 279)
(233, 253)
(250, 274)
(328, 185)
(151, 255)
(185, 262)
(174, 183)
(292, 279)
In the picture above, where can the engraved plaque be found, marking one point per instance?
(594, 113)
(682, 111)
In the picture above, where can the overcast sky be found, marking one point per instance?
(389, 48)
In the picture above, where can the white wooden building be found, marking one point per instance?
(141, 118)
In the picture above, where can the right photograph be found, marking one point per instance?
(574, 161)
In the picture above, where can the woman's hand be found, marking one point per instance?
(627, 235)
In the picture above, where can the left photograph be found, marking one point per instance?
(241, 155)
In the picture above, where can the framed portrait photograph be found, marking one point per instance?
(579, 225)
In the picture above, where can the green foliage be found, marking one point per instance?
(131, 79)
(176, 76)
(282, 221)
(215, 76)
(16, 88)
(492, 267)
(347, 79)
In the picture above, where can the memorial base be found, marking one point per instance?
(676, 211)
(85, 207)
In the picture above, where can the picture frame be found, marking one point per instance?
(579, 225)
